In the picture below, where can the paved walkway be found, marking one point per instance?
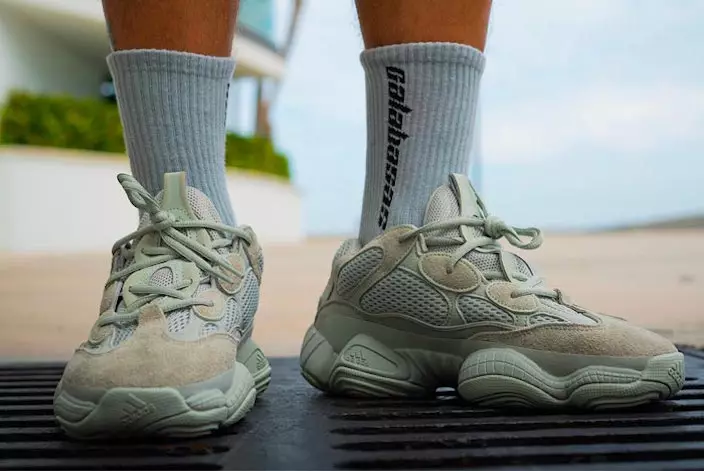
(653, 278)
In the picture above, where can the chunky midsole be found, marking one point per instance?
(493, 375)
(126, 411)
(339, 329)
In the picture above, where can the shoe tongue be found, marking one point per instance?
(458, 198)
(184, 202)
(187, 202)
(454, 199)
(467, 199)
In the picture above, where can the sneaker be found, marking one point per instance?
(171, 352)
(443, 305)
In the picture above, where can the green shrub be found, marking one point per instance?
(255, 153)
(92, 124)
(61, 121)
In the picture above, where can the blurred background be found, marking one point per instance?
(590, 127)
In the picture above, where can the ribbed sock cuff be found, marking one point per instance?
(421, 107)
(173, 107)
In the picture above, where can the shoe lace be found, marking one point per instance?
(175, 245)
(492, 229)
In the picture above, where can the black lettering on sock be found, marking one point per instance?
(383, 218)
(388, 195)
(395, 75)
(391, 175)
(395, 119)
(398, 106)
(395, 135)
(391, 156)
(397, 92)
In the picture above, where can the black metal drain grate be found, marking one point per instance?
(294, 427)
(31, 439)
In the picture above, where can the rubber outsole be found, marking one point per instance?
(489, 377)
(167, 411)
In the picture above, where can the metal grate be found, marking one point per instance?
(294, 427)
(31, 439)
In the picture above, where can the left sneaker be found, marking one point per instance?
(171, 352)
(444, 305)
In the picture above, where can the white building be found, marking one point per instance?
(59, 47)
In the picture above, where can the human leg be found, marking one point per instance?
(426, 297)
(171, 352)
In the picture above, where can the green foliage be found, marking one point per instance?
(255, 153)
(91, 124)
(61, 121)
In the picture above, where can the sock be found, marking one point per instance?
(173, 109)
(421, 107)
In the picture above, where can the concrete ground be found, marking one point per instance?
(654, 278)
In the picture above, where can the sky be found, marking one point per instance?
(591, 115)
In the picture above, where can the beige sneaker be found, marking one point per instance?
(171, 352)
(443, 305)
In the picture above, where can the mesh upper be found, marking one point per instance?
(404, 292)
(484, 261)
(357, 268)
(443, 205)
(122, 333)
(541, 318)
(233, 315)
(474, 309)
(162, 277)
(260, 259)
(521, 265)
(179, 320)
(239, 309)
(348, 247)
(208, 328)
(249, 299)
(202, 207)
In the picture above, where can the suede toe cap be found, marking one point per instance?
(610, 337)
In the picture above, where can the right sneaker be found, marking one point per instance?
(171, 352)
(443, 305)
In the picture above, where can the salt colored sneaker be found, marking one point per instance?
(444, 305)
(171, 352)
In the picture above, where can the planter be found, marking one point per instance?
(59, 200)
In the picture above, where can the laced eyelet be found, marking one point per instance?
(513, 295)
